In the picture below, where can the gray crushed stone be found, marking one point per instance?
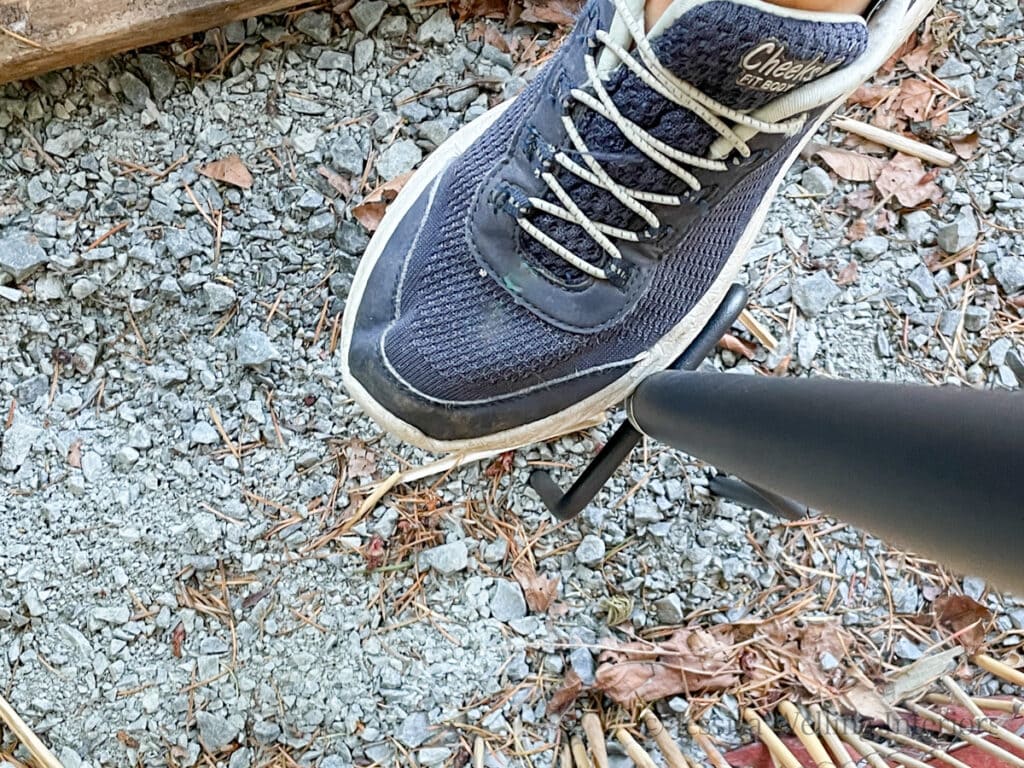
(124, 505)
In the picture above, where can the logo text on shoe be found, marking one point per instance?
(767, 68)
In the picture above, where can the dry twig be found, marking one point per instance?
(895, 141)
(39, 751)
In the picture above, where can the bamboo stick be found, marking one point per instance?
(895, 141)
(801, 726)
(478, 752)
(636, 753)
(900, 757)
(565, 760)
(699, 735)
(669, 749)
(970, 738)
(595, 739)
(874, 752)
(920, 746)
(1013, 707)
(761, 730)
(835, 745)
(27, 736)
(981, 720)
(997, 668)
(579, 753)
(868, 750)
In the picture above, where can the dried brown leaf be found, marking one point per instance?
(370, 215)
(490, 33)
(75, 454)
(888, 118)
(561, 12)
(857, 230)
(914, 99)
(848, 274)
(360, 460)
(908, 45)
(177, 638)
(388, 191)
(966, 146)
(501, 465)
(693, 660)
(565, 696)
(886, 220)
(815, 643)
(371, 211)
(374, 552)
(690, 660)
(867, 702)
(905, 178)
(230, 170)
(964, 616)
(250, 600)
(129, 741)
(493, 36)
(540, 591)
(737, 346)
(783, 366)
(871, 95)
(337, 182)
(916, 60)
(862, 199)
(852, 166)
(475, 9)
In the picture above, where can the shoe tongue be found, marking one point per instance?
(747, 54)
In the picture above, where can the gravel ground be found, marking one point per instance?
(178, 584)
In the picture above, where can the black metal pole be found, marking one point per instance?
(617, 449)
(939, 470)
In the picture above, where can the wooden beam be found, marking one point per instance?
(37, 36)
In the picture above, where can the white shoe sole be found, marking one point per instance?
(659, 357)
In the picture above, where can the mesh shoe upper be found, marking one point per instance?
(459, 332)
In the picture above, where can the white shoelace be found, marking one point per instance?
(661, 80)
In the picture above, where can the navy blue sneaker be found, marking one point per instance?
(568, 243)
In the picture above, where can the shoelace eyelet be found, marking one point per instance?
(511, 200)
(657, 236)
